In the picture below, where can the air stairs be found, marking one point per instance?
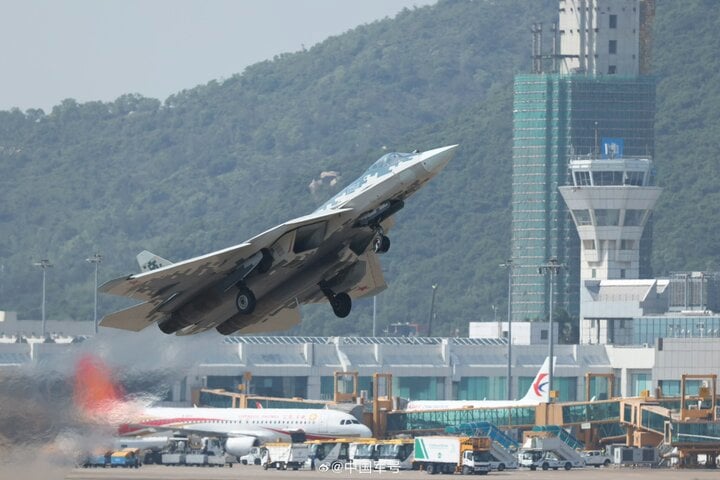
(553, 438)
(485, 429)
(562, 434)
(503, 448)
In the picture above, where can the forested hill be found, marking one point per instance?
(213, 165)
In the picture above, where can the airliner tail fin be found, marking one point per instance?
(538, 391)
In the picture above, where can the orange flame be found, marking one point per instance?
(95, 391)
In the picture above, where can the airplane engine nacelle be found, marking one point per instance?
(240, 446)
(189, 314)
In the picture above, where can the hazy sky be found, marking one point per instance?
(100, 49)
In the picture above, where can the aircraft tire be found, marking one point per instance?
(341, 305)
(245, 301)
(381, 244)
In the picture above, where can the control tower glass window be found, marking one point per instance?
(608, 178)
(582, 217)
(607, 217)
(582, 178)
(634, 178)
(633, 218)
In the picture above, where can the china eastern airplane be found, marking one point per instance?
(258, 286)
(536, 394)
(100, 401)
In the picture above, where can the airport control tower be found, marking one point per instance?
(592, 83)
(610, 199)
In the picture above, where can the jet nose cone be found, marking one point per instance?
(435, 160)
(365, 432)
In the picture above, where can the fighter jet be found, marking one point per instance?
(330, 255)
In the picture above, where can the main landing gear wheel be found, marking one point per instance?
(381, 244)
(245, 301)
(341, 304)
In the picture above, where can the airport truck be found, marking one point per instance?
(364, 454)
(126, 458)
(281, 455)
(452, 455)
(329, 454)
(97, 459)
(550, 452)
(596, 458)
(396, 454)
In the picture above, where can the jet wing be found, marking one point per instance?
(134, 318)
(144, 429)
(190, 274)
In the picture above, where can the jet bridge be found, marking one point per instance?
(687, 425)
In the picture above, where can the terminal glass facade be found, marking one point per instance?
(479, 388)
(566, 388)
(524, 384)
(555, 117)
(646, 330)
(419, 388)
(282, 387)
(640, 382)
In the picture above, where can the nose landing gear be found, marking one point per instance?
(381, 242)
(245, 300)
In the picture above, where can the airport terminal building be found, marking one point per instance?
(422, 368)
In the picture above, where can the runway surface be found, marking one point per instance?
(154, 472)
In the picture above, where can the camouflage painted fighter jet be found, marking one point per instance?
(258, 286)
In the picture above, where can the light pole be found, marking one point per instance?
(44, 264)
(553, 267)
(374, 312)
(95, 259)
(432, 309)
(508, 265)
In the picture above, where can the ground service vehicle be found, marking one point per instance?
(252, 458)
(364, 454)
(534, 458)
(596, 458)
(451, 455)
(285, 455)
(329, 454)
(395, 454)
(98, 459)
(126, 458)
(550, 452)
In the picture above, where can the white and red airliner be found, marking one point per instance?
(536, 394)
(242, 428)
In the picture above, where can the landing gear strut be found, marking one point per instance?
(341, 303)
(381, 242)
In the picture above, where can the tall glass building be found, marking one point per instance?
(598, 88)
(555, 117)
